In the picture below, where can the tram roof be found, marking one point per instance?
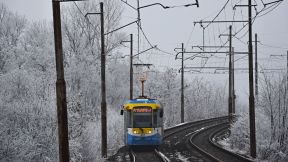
(153, 103)
(141, 100)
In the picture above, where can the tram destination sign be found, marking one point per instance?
(143, 110)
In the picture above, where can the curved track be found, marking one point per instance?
(192, 141)
(202, 142)
(176, 144)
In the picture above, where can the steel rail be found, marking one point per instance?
(132, 155)
(188, 125)
(220, 132)
(155, 153)
(182, 133)
(211, 141)
(202, 150)
(161, 155)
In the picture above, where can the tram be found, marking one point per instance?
(143, 122)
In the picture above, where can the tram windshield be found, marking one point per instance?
(142, 120)
(142, 117)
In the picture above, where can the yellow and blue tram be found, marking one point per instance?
(143, 122)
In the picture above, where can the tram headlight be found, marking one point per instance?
(149, 132)
(135, 132)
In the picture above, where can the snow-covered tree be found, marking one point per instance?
(271, 122)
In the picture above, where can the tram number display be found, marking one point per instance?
(143, 110)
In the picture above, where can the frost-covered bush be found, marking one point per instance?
(271, 123)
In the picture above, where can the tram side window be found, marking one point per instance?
(155, 118)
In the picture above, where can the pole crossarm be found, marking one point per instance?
(201, 52)
(92, 13)
(220, 21)
(277, 55)
(274, 69)
(125, 42)
(233, 69)
(194, 56)
(221, 35)
(176, 56)
(175, 49)
(165, 7)
(234, 7)
(200, 47)
(143, 65)
(192, 4)
(209, 67)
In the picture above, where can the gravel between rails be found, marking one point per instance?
(137, 155)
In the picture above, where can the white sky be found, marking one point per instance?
(169, 28)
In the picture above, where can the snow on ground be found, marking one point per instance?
(226, 145)
(176, 125)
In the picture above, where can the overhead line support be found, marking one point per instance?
(224, 21)
(182, 81)
(251, 87)
(243, 6)
(60, 86)
(230, 76)
(182, 86)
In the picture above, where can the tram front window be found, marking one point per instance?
(142, 120)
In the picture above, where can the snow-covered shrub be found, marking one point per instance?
(271, 123)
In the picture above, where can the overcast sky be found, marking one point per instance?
(168, 28)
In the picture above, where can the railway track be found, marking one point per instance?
(193, 141)
(176, 140)
(152, 155)
(203, 141)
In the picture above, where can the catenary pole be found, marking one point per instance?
(230, 76)
(233, 83)
(60, 86)
(251, 88)
(139, 24)
(256, 69)
(103, 87)
(182, 86)
(131, 66)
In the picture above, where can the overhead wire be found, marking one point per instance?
(276, 5)
(244, 25)
(168, 53)
(190, 36)
(217, 14)
(271, 46)
(144, 35)
(253, 19)
(87, 20)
